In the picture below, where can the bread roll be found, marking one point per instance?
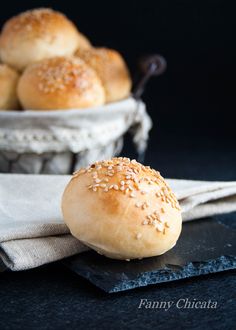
(111, 69)
(122, 209)
(8, 83)
(84, 43)
(38, 34)
(60, 83)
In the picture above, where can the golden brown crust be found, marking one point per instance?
(60, 83)
(37, 34)
(8, 83)
(111, 69)
(84, 43)
(122, 209)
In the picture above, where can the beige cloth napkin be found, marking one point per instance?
(32, 232)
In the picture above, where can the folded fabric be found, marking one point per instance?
(32, 231)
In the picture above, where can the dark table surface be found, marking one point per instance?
(53, 297)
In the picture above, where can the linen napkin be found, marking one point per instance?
(32, 231)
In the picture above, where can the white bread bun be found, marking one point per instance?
(8, 83)
(111, 69)
(38, 34)
(60, 83)
(122, 209)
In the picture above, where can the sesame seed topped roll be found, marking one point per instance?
(122, 209)
(8, 83)
(111, 69)
(38, 34)
(60, 83)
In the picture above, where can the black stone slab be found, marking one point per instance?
(205, 246)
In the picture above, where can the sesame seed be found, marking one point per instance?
(111, 186)
(132, 195)
(116, 187)
(145, 222)
(159, 227)
(106, 189)
(94, 189)
(139, 235)
(103, 185)
(97, 180)
(143, 192)
(122, 188)
(122, 183)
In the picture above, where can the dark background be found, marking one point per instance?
(193, 104)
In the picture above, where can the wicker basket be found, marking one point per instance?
(58, 142)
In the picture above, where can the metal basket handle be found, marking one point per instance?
(151, 65)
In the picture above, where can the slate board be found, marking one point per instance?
(205, 246)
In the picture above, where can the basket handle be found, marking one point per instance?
(151, 65)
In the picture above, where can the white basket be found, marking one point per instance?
(59, 141)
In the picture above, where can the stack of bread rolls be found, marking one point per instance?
(47, 64)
